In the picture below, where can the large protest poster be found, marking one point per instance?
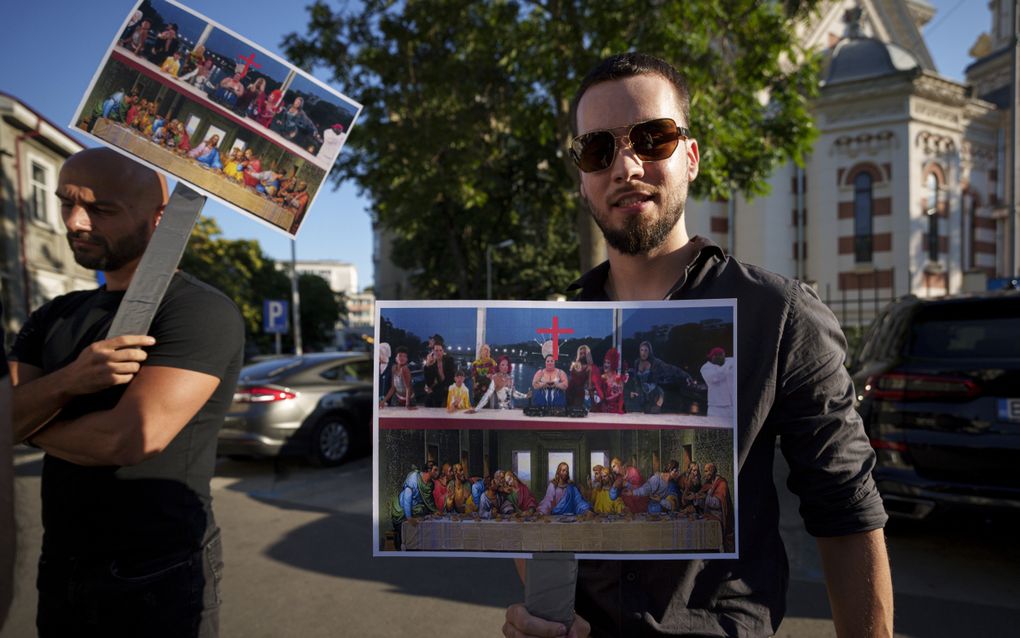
(599, 429)
(197, 101)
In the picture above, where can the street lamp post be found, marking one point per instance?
(506, 243)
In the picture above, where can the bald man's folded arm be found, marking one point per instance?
(156, 406)
(39, 397)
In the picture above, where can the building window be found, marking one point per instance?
(932, 212)
(39, 189)
(522, 465)
(600, 457)
(862, 218)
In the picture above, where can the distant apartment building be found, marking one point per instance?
(36, 263)
(360, 310)
(341, 275)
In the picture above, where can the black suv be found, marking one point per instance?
(938, 385)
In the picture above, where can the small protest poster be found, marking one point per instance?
(197, 101)
(604, 430)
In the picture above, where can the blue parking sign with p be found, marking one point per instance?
(275, 316)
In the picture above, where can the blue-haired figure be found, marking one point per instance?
(661, 490)
(415, 497)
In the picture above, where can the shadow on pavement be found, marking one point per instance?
(346, 541)
(340, 543)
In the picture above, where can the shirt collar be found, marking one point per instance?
(591, 286)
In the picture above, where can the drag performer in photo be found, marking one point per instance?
(610, 384)
(649, 374)
(549, 385)
(501, 392)
(580, 388)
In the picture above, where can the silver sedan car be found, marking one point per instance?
(315, 405)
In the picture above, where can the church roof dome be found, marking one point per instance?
(859, 58)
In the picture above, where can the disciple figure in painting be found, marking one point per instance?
(661, 490)
(493, 500)
(562, 496)
(631, 479)
(691, 498)
(549, 385)
(605, 495)
(519, 495)
(500, 393)
(458, 496)
(718, 503)
(415, 497)
(441, 486)
(580, 387)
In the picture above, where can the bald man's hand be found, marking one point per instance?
(39, 397)
(520, 624)
(107, 363)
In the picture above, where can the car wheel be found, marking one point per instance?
(331, 441)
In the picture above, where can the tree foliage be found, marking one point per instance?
(461, 144)
(240, 269)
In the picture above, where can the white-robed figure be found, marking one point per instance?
(501, 393)
(718, 375)
(332, 140)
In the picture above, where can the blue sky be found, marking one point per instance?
(642, 320)
(515, 325)
(456, 325)
(52, 48)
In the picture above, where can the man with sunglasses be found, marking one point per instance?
(637, 157)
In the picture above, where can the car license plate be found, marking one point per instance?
(1009, 410)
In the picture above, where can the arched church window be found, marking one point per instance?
(863, 214)
(932, 211)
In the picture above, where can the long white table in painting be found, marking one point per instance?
(549, 534)
(398, 418)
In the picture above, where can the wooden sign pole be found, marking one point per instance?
(158, 264)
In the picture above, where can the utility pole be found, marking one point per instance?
(295, 298)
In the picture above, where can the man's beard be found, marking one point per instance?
(638, 236)
(114, 256)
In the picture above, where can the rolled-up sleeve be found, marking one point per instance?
(820, 432)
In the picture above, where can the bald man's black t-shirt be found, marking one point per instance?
(163, 505)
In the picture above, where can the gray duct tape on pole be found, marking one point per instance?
(158, 264)
(549, 584)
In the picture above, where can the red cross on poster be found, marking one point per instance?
(248, 62)
(555, 331)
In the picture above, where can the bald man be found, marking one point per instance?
(128, 424)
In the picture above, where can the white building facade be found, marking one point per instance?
(36, 263)
(896, 196)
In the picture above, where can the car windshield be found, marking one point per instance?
(271, 368)
(984, 330)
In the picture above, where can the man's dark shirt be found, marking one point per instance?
(439, 386)
(792, 385)
(161, 506)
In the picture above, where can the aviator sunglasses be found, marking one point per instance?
(652, 141)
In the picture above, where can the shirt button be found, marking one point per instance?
(631, 577)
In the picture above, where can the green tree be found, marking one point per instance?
(240, 269)
(462, 141)
(321, 308)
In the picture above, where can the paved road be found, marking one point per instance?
(298, 552)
